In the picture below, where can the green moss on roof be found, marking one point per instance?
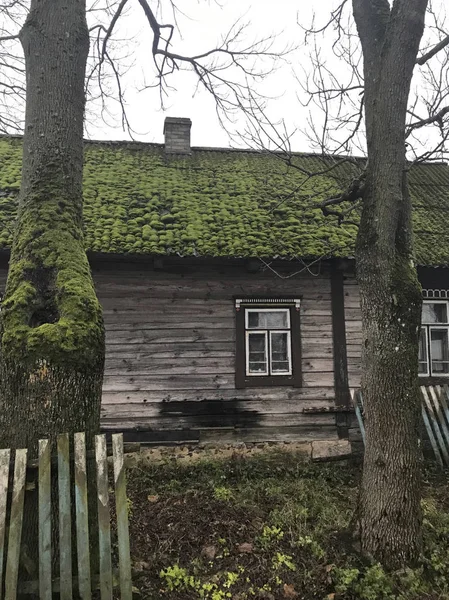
(221, 204)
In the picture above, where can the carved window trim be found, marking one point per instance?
(244, 379)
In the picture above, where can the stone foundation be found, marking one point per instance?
(322, 450)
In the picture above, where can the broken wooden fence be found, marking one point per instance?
(435, 416)
(11, 531)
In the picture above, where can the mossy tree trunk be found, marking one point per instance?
(389, 516)
(52, 343)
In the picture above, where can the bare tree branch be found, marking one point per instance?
(431, 53)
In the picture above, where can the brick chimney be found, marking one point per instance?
(177, 135)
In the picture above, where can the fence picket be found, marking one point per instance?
(65, 525)
(434, 423)
(443, 395)
(432, 439)
(15, 526)
(44, 493)
(436, 397)
(82, 525)
(122, 517)
(355, 396)
(5, 456)
(104, 528)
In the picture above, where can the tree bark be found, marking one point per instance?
(389, 516)
(52, 344)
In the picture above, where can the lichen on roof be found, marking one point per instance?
(217, 203)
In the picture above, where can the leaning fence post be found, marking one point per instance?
(15, 525)
(122, 517)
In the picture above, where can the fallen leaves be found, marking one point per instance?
(289, 591)
(209, 552)
(245, 548)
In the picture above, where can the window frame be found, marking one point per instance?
(242, 377)
(428, 327)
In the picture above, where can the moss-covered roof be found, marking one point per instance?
(221, 203)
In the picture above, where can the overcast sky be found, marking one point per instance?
(200, 28)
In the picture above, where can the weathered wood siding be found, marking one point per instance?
(171, 353)
(353, 318)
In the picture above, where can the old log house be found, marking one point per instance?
(230, 301)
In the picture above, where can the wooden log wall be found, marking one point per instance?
(170, 363)
(171, 354)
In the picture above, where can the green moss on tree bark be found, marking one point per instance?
(52, 334)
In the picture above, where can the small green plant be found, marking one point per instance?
(371, 584)
(177, 578)
(281, 560)
(269, 536)
(375, 585)
(344, 579)
(222, 493)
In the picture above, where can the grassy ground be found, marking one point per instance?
(268, 527)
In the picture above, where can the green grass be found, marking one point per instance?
(268, 527)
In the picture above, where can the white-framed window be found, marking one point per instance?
(433, 354)
(268, 342)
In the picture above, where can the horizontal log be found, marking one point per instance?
(159, 423)
(304, 396)
(181, 309)
(273, 406)
(191, 366)
(201, 322)
(121, 383)
(270, 434)
(175, 336)
(180, 335)
(144, 352)
(228, 435)
(176, 323)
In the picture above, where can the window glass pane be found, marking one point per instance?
(422, 353)
(434, 313)
(253, 319)
(280, 352)
(257, 353)
(439, 350)
(268, 319)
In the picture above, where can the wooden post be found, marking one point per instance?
(15, 525)
(122, 517)
(65, 524)
(44, 493)
(82, 525)
(104, 529)
(5, 456)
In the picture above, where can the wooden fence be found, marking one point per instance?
(11, 529)
(435, 417)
